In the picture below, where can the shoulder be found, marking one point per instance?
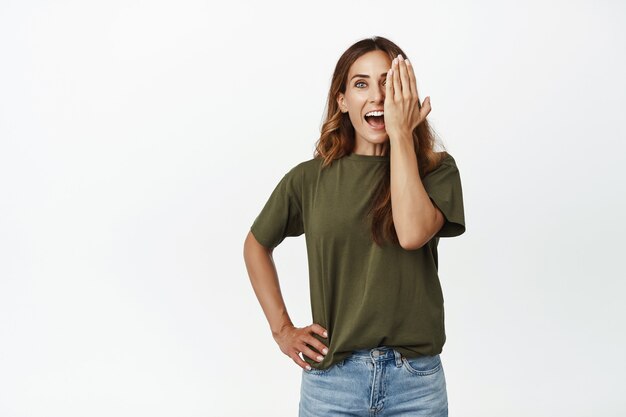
(309, 164)
(447, 162)
(442, 161)
(443, 170)
(300, 173)
(446, 158)
(303, 168)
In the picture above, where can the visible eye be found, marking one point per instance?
(363, 82)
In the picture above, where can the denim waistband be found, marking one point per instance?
(379, 354)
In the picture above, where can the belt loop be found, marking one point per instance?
(398, 358)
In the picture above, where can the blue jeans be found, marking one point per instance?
(376, 382)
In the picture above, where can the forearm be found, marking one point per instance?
(411, 206)
(264, 280)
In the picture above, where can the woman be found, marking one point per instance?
(372, 203)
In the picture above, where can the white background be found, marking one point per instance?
(139, 140)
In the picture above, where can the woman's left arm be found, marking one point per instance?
(415, 217)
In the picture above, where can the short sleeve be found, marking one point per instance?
(443, 186)
(282, 214)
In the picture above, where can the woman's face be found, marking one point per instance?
(365, 91)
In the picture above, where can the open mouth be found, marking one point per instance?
(376, 122)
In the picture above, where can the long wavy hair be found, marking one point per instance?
(337, 138)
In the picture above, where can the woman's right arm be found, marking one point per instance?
(264, 279)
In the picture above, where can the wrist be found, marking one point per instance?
(278, 328)
(403, 136)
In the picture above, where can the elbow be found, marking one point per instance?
(412, 245)
(412, 233)
(412, 242)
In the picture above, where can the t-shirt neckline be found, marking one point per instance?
(371, 158)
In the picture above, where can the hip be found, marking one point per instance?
(375, 381)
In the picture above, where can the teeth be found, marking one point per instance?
(375, 113)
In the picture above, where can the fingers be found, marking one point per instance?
(316, 328)
(405, 87)
(412, 80)
(425, 108)
(303, 341)
(405, 81)
(409, 82)
(307, 351)
(397, 87)
(301, 362)
(319, 346)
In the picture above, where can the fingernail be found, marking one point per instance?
(308, 367)
(324, 351)
(325, 334)
(407, 61)
(320, 358)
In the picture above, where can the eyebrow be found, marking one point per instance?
(384, 74)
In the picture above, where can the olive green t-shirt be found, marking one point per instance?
(364, 295)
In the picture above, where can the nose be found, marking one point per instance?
(377, 94)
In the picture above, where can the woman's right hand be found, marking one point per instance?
(293, 340)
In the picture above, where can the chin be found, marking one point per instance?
(382, 138)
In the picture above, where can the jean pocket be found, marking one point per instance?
(422, 365)
(315, 371)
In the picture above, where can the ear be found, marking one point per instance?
(342, 103)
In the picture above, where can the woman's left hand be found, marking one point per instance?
(402, 108)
